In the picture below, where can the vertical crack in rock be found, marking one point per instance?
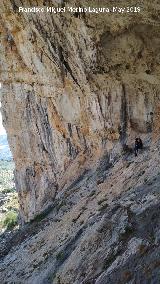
(124, 116)
(65, 67)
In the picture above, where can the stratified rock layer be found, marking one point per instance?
(74, 86)
(76, 90)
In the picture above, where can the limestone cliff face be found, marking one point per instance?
(74, 88)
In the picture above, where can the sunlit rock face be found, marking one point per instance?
(74, 87)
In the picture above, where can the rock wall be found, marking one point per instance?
(73, 87)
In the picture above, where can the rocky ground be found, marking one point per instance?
(104, 229)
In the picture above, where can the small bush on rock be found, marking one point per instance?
(10, 220)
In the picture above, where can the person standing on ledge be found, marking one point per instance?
(138, 145)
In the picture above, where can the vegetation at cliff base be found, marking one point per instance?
(8, 196)
(10, 220)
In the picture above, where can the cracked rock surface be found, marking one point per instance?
(76, 90)
(103, 229)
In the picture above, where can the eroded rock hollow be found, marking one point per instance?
(75, 87)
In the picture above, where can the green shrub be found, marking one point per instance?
(103, 207)
(8, 190)
(39, 217)
(10, 220)
(60, 256)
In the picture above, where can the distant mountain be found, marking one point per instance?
(5, 153)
